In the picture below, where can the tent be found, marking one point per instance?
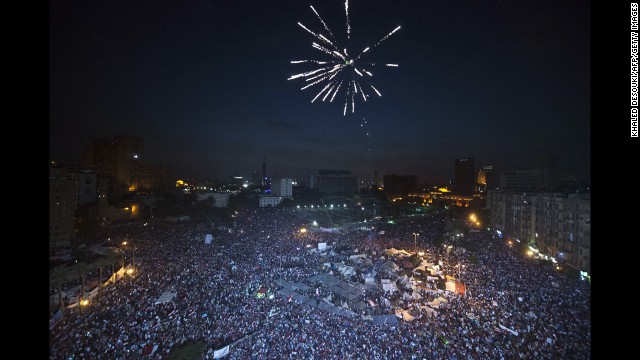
(385, 319)
(450, 286)
(405, 315)
(165, 297)
(359, 306)
(390, 265)
(437, 301)
(388, 286)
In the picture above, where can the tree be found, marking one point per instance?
(57, 276)
(81, 269)
(100, 263)
(114, 257)
(286, 203)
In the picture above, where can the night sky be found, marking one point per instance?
(204, 83)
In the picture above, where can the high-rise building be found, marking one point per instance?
(521, 180)
(117, 157)
(334, 182)
(482, 177)
(148, 178)
(104, 156)
(485, 178)
(87, 187)
(282, 187)
(63, 191)
(490, 181)
(559, 225)
(129, 153)
(375, 178)
(547, 168)
(465, 175)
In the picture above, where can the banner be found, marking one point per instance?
(55, 319)
(222, 352)
(508, 329)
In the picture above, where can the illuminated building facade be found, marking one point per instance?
(489, 177)
(559, 225)
(482, 177)
(266, 200)
(282, 187)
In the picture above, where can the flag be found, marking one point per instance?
(222, 352)
(55, 319)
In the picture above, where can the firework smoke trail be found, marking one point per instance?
(340, 67)
(322, 21)
(378, 43)
(365, 128)
(346, 10)
(334, 94)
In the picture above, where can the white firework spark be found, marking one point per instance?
(340, 67)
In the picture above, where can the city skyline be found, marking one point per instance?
(204, 84)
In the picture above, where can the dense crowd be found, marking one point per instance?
(217, 283)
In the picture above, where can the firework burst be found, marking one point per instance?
(340, 70)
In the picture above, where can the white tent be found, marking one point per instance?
(166, 297)
(388, 286)
(346, 270)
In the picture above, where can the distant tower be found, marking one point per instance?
(375, 177)
(264, 171)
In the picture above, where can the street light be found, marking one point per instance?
(83, 302)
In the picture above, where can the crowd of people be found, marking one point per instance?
(513, 307)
